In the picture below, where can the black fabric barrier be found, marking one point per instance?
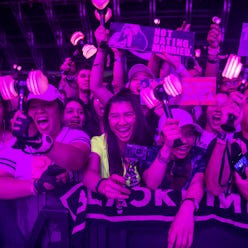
(220, 220)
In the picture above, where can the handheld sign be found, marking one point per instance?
(243, 42)
(135, 37)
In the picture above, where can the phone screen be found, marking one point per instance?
(241, 165)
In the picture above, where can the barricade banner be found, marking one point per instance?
(151, 39)
(151, 205)
(195, 91)
(243, 42)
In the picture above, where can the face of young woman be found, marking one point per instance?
(214, 113)
(188, 139)
(46, 115)
(122, 120)
(74, 115)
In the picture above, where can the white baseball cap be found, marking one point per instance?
(51, 94)
(182, 116)
(139, 68)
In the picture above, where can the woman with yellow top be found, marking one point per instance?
(124, 123)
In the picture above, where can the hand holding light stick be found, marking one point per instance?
(171, 86)
(10, 88)
(77, 40)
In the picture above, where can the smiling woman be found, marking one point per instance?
(124, 124)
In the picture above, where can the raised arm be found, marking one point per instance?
(96, 79)
(12, 188)
(214, 39)
(118, 70)
(72, 156)
(154, 175)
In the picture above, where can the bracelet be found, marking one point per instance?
(97, 64)
(98, 184)
(195, 202)
(162, 159)
(118, 59)
(213, 61)
(213, 51)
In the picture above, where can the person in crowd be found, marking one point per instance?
(211, 119)
(74, 113)
(75, 79)
(123, 123)
(38, 158)
(229, 85)
(68, 85)
(180, 164)
(83, 81)
(94, 125)
(214, 39)
(227, 149)
(162, 64)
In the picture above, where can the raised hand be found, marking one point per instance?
(101, 35)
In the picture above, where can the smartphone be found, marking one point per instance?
(241, 164)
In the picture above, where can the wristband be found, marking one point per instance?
(98, 184)
(162, 159)
(213, 51)
(213, 61)
(118, 59)
(195, 202)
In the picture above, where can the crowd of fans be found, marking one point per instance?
(79, 130)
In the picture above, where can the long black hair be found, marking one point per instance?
(141, 133)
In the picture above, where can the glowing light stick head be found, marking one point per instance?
(197, 53)
(89, 50)
(216, 20)
(107, 16)
(76, 38)
(7, 87)
(172, 85)
(148, 97)
(156, 21)
(37, 82)
(233, 67)
(100, 4)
